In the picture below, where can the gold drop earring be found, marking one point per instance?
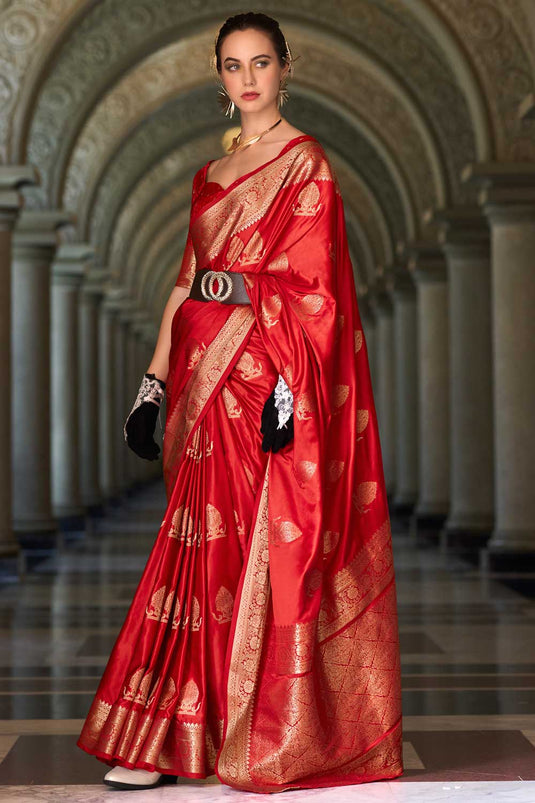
(226, 104)
(283, 95)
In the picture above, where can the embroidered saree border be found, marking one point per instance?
(233, 763)
(136, 738)
(249, 201)
(203, 382)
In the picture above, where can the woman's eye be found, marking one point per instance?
(263, 63)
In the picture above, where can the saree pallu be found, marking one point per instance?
(262, 641)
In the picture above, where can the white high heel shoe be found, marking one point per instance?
(122, 778)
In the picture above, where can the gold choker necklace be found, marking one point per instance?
(237, 144)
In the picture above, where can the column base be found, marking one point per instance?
(426, 527)
(72, 523)
(466, 534)
(9, 550)
(34, 526)
(405, 500)
(509, 551)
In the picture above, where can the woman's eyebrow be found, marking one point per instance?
(262, 55)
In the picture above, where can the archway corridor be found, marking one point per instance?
(426, 110)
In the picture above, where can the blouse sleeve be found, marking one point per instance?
(188, 266)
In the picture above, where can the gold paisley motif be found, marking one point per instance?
(305, 469)
(330, 539)
(196, 355)
(287, 375)
(253, 251)
(168, 694)
(304, 405)
(224, 603)
(130, 690)
(284, 532)
(334, 470)
(232, 407)
(240, 529)
(358, 340)
(248, 368)
(271, 307)
(138, 686)
(309, 304)
(280, 263)
(308, 200)
(363, 416)
(177, 615)
(313, 582)
(215, 527)
(154, 608)
(340, 320)
(183, 528)
(339, 396)
(196, 618)
(364, 495)
(189, 702)
(167, 607)
(193, 449)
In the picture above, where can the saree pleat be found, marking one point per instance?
(262, 642)
(160, 704)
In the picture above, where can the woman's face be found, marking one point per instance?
(249, 64)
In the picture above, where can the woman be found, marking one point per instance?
(262, 641)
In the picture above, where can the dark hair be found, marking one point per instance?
(260, 22)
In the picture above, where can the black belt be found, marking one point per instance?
(219, 285)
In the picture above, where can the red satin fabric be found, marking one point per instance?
(262, 641)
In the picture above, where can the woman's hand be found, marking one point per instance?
(140, 425)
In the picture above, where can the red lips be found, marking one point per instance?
(250, 95)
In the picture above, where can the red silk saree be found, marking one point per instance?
(262, 641)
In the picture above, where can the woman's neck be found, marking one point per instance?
(254, 124)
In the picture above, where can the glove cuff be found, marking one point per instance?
(284, 402)
(151, 390)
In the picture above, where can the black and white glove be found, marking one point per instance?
(140, 425)
(277, 425)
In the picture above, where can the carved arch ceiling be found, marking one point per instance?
(112, 34)
(109, 41)
(353, 81)
(400, 58)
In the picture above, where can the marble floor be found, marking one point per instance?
(468, 661)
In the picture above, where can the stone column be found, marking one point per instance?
(385, 396)
(34, 244)
(89, 402)
(107, 388)
(11, 179)
(466, 243)
(121, 402)
(131, 388)
(68, 271)
(429, 268)
(406, 381)
(508, 200)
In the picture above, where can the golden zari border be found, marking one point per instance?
(249, 201)
(352, 588)
(139, 738)
(232, 763)
(205, 377)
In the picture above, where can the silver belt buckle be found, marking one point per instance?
(224, 285)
